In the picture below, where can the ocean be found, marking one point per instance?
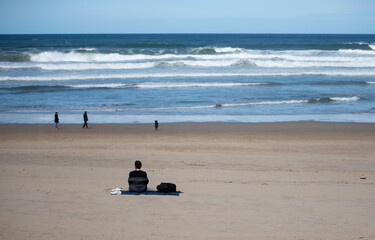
(140, 78)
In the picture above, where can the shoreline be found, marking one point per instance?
(193, 126)
(121, 118)
(241, 131)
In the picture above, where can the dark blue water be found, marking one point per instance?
(193, 77)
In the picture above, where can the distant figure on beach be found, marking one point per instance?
(138, 179)
(156, 125)
(57, 119)
(85, 119)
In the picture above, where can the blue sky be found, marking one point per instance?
(193, 16)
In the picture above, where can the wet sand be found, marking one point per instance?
(296, 180)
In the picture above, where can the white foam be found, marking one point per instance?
(227, 49)
(370, 83)
(220, 105)
(266, 103)
(358, 51)
(168, 108)
(72, 56)
(79, 66)
(227, 53)
(99, 66)
(263, 63)
(372, 46)
(303, 101)
(353, 63)
(86, 49)
(345, 99)
(112, 66)
(180, 75)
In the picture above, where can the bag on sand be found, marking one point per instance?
(166, 187)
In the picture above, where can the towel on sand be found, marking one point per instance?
(119, 191)
(150, 192)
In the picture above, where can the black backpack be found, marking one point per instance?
(166, 187)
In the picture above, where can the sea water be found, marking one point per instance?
(126, 78)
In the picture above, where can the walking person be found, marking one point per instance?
(85, 119)
(57, 119)
(156, 125)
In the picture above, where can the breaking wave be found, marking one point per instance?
(91, 59)
(227, 49)
(332, 99)
(225, 75)
(274, 63)
(74, 56)
(198, 53)
(85, 49)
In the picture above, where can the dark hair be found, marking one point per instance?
(138, 164)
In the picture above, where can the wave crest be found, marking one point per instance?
(333, 99)
(269, 58)
(227, 49)
(221, 105)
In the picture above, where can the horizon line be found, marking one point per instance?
(197, 33)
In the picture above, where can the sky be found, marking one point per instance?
(187, 16)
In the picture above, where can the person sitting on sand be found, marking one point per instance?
(138, 179)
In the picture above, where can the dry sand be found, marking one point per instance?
(239, 181)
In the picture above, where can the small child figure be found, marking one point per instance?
(156, 125)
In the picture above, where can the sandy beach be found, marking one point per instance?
(295, 180)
